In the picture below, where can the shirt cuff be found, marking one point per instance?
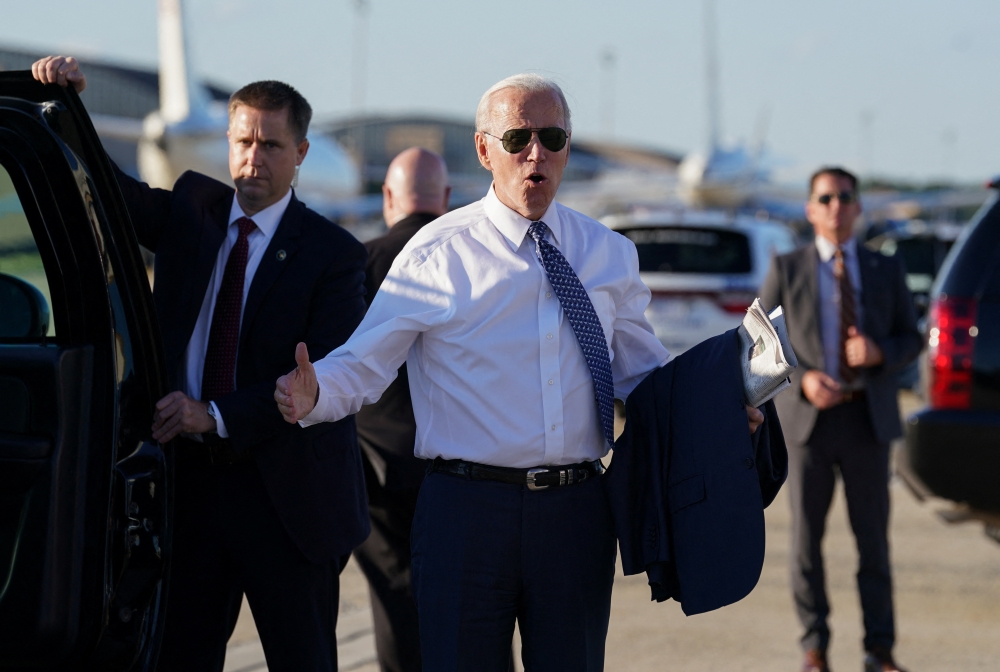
(220, 424)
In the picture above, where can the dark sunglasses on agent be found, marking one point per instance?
(515, 140)
(845, 198)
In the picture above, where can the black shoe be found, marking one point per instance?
(880, 660)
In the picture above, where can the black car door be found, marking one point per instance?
(84, 492)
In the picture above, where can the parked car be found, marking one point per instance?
(84, 492)
(953, 445)
(923, 247)
(704, 268)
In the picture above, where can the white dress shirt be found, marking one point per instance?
(829, 294)
(496, 373)
(267, 221)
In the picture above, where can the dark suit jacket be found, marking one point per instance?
(688, 484)
(387, 428)
(308, 287)
(887, 318)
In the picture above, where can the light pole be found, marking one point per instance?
(360, 57)
(608, 60)
(866, 143)
(949, 140)
(711, 75)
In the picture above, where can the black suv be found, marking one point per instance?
(953, 445)
(923, 248)
(84, 493)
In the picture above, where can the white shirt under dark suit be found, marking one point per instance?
(829, 299)
(497, 377)
(850, 440)
(267, 221)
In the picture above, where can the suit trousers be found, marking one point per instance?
(227, 541)
(384, 557)
(842, 440)
(487, 554)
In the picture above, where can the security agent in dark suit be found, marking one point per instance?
(261, 507)
(415, 193)
(852, 326)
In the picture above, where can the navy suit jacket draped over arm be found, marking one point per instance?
(688, 484)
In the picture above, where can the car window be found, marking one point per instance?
(918, 255)
(19, 256)
(679, 249)
(991, 290)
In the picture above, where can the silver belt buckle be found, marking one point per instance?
(531, 479)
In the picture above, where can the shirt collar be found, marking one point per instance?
(267, 220)
(513, 226)
(827, 248)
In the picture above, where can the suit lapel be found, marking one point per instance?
(277, 256)
(868, 266)
(806, 302)
(213, 233)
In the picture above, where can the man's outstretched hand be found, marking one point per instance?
(61, 70)
(297, 391)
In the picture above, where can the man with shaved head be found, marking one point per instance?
(415, 193)
(519, 320)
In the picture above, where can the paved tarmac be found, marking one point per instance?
(947, 585)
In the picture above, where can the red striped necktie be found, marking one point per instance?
(219, 375)
(848, 314)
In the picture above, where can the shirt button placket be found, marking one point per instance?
(548, 322)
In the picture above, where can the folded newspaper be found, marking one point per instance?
(767, 355)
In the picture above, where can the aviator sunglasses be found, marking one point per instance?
(845, 198)
(516, 139)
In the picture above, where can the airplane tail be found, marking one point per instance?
(188, 132)
(182, 96)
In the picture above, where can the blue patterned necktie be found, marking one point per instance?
(586, 325)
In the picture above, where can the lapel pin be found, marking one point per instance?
(281, 255)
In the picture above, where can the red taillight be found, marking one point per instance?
(735, 302)
(950, 345)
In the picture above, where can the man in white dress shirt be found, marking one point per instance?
(511, 387)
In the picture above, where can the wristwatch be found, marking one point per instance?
(211, 414)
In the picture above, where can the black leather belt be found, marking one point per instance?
(538, 478)
(853, 395)
(213, 450)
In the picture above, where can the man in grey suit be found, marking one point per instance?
(852, 326)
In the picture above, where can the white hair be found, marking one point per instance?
(526, 82)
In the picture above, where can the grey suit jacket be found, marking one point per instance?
(888, 318)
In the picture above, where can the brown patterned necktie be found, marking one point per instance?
(218, 378)
(848, 314)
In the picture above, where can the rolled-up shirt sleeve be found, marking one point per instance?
(637, 350)
(410, 301)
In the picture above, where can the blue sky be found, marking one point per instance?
(906, 89)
